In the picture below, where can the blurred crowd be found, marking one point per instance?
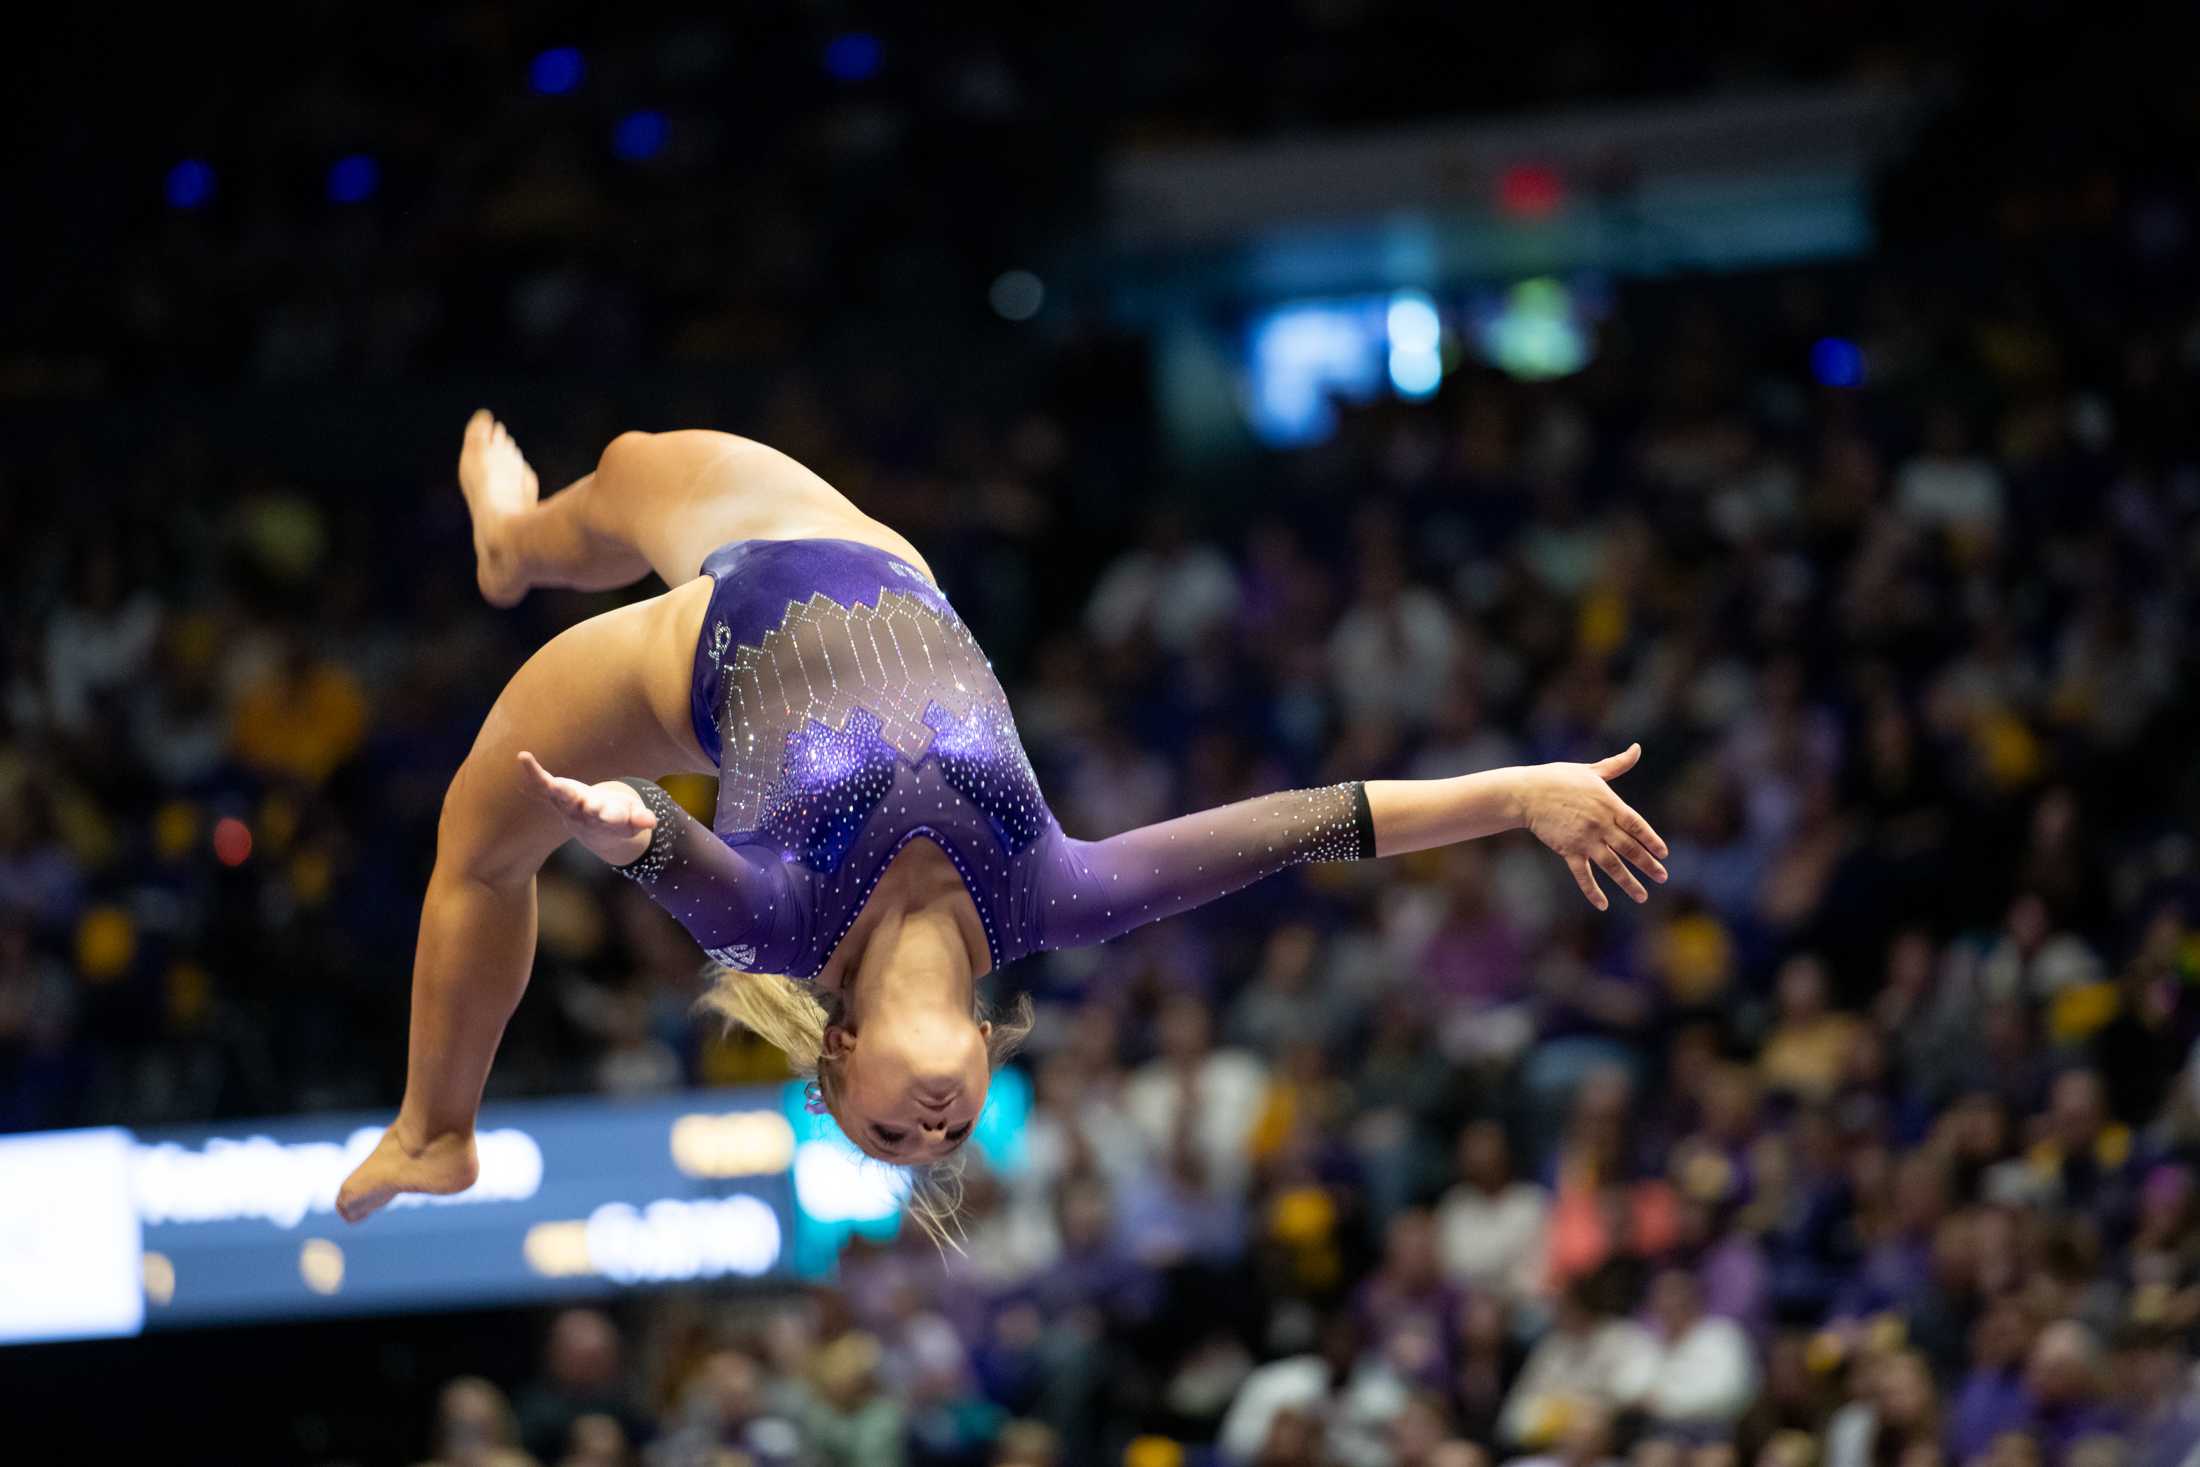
(1870, 1141)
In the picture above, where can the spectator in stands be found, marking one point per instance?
(475, 1427)
(1407, 1307)
(1590, 1360)
(2064, 1390)
(1584, 1439)
(724, 1407)
(1706, 1373)
(1807, 1052)
(583, 1374)
(1171, 589)
(1490, 1225)
(1211, 1097)
(1298, 1384)
(850, 1421)
(1992, 1399)
(1894, 1420)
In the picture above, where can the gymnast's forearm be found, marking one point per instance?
(1421, 814)
(477, 944)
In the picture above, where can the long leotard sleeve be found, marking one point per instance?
(1081, 892)
(746, 905)
(753, 908)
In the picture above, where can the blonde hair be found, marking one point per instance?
(793, 1016)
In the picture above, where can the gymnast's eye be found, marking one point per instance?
(888, 1135)
(958, 1133)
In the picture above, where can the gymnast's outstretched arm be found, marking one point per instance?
(1073, 893)
(1083, 892)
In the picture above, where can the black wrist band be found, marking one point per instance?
(650, 864)
(1364, 819)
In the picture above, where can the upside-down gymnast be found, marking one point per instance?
(880, 841)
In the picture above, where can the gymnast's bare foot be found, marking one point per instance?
(498, 485)
(401, 1163)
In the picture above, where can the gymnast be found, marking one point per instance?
(880, 842)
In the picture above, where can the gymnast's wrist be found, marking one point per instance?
(641, 856)
(622, 850)
(1514, 790)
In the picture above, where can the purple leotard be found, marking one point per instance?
(851, 711)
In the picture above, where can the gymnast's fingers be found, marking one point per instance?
(1636, 855)
(540, 783)
(1640, 829)
(1623, 878)
(1587, 881)
(624, 814)
(568, 797)
(567, 794)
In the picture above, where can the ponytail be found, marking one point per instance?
(784, 1013)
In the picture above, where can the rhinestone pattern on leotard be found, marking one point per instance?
(813, 714)
(650, 864)
(852, 712)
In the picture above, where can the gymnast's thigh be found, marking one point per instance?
(606, 698)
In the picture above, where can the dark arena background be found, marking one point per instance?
(1284, 393)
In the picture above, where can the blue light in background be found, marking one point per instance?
(1303, 357)
(640, 136)
(999, 1134)
(190, 183)
(1416, 338)
(353, 179)
(1837, 363)
(556, 71)
(1416, 374)
(854, 57)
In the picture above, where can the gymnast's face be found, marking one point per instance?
(909, 1091)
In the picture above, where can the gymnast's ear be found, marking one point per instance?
(839, 1040)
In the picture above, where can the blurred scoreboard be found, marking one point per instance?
(112, 1232)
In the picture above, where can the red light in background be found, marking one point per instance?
(1530, 191)
(232, 841)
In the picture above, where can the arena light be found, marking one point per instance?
(1017, 295)
(749, 1143)
(1416, 339)
(1415, 374)
(232, 841)
(106, 1233)
(673, 1240)
(640, 136)
(855, 56)
(836, 1183)
(1837, 363)
(1535, 332)
(72, 1266)
(353, 179)
(321, 1265)
(1530, 191)
(159, 1272)
(190, 184)
(1305, 356)
(1412, 322)
(557, 71)
(229, 1179)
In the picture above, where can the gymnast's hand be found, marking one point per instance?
(1571, 809)
(609, 818)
